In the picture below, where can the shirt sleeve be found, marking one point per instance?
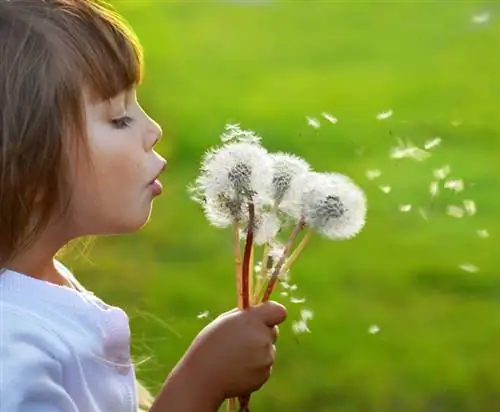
(30, 365)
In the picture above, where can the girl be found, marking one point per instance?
(77, 158)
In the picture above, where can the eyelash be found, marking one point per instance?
(122, 122)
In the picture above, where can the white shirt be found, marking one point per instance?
(62, 350)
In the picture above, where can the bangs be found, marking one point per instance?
(108, 56)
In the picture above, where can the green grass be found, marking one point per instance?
(267, 66)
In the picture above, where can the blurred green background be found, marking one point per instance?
(267, 66)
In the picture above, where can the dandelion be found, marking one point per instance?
(405, 208)
(313, 122)
(374, 329)
(267, 226)
(432, 143)
(469, 267)
(470, 207)
(442, 172)
(286, 169)
(372, 174)
(455, 211)
(384, 115)
(330, 118)
(455, 185)
(483, 233)
(333, 205)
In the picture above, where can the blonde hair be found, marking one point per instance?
(50, 51)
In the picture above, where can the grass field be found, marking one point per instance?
(268, 65)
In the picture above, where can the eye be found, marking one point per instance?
(122, 122)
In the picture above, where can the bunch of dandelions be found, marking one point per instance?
(259, 195)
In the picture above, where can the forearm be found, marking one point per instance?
(185, 391)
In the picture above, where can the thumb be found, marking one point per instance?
(271, 313)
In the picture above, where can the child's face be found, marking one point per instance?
(113, 193)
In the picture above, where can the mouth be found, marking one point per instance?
(157, 176)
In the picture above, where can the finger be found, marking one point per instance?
(271, 313)
(274, 334)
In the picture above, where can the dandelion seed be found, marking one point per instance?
(456, 185)
(293, 287)
(423, 213)
(374, 329)
(300, 326)
(405, 208)
(434, 188)
(384, 115)
(469, 267)
(306, 314)
(386, 189)
(483, 233)
(408, 150)
(284, 293)
(432, 143)
(333, 205)
(313, 122)
(456, 123)
(442, 172)
(330, 118)
(470, 207)
(372, 174)
(233, 133)
(481, 18)
(455, 211)
(258, 267)
(203, 315)
(297, 300)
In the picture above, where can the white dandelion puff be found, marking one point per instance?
(222, 213)
(236, 171)
(333, 205)
(456, 185)
(483, 233)
(266, 228)
(330, 118)
(372, 174)
(434, 188)
(470, 207)
(286, 169)
(405, 208)
(385, 115)
(455, 211)
(469, 267)
(233, 133)
(432, 143)
(373, 329)
(313, 122)
(385, 188)
(442, 172)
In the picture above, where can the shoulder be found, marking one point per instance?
(30, 363)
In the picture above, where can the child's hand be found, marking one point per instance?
(235, 353)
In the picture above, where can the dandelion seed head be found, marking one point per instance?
(333, 205)
(286, 168)
(372, 174)
(267, 226)
(237, 171)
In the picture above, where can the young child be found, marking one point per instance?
(77, 158)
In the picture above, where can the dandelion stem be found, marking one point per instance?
(251, 274)
(231, 405)
(237, 262)
(300, 247)
(263, 273)
(277, 269)
(246, 257)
